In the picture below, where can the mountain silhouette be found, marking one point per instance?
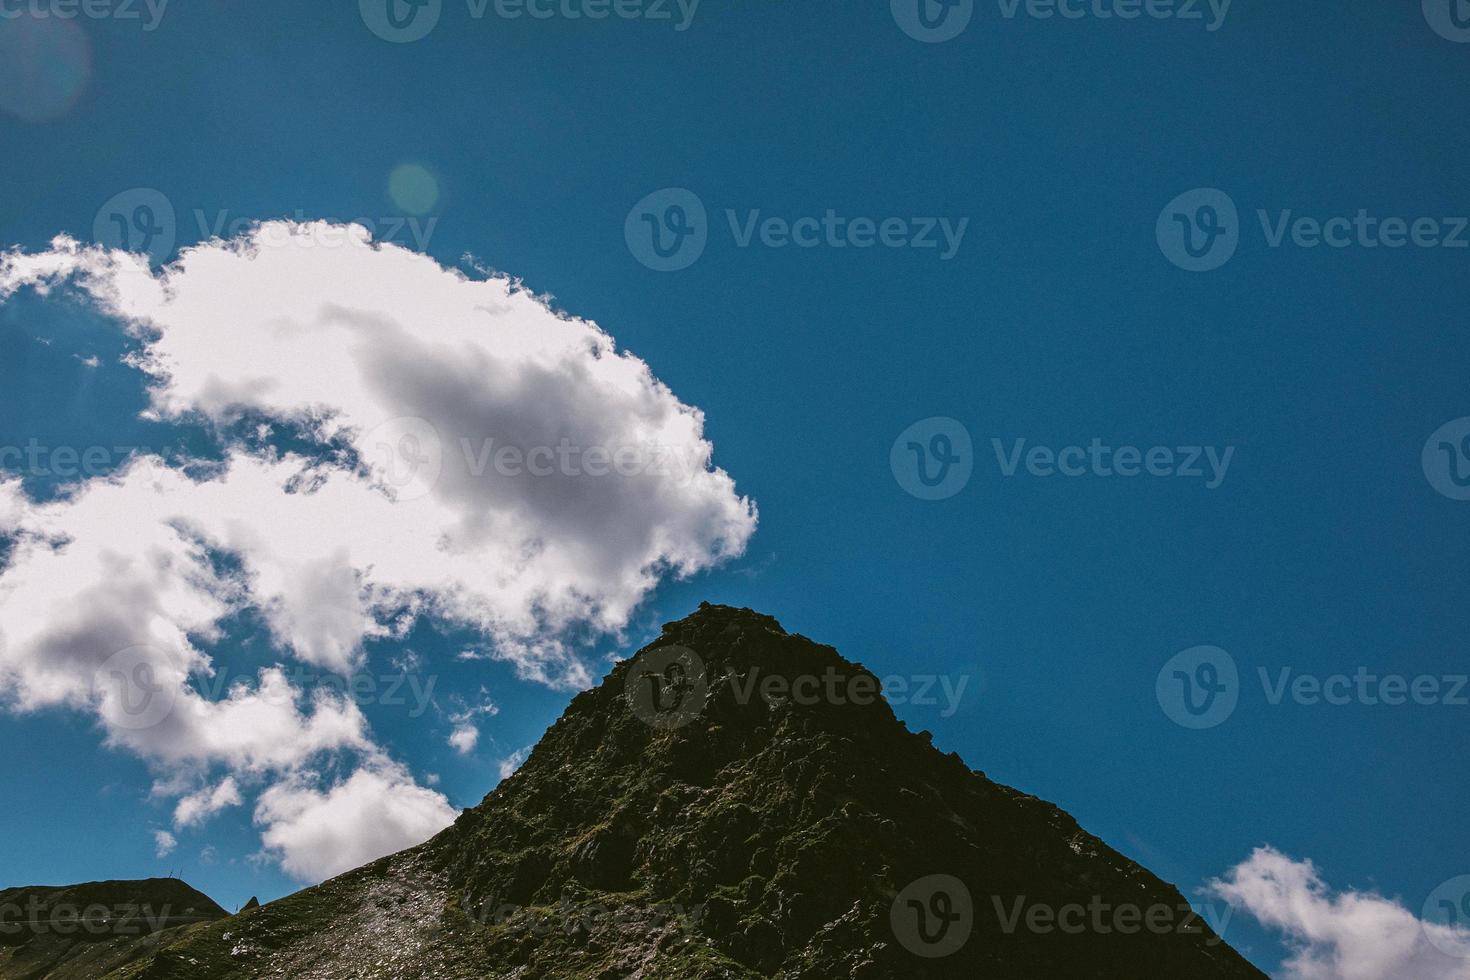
(732, 802)
(87, 931)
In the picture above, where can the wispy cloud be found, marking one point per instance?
(1341, 935)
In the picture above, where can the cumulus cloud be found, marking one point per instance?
(379, 809)
(464, 738)
(163, 843)
(1343, 935)
(517, 471)
(460, 452)
(196, 808)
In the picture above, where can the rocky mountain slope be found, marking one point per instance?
(85, 931)
(733, 802)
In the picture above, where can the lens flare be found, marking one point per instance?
(413, 189)
(45, 65)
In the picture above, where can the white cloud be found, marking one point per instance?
(1347, 935)
(466, 735)
(349, 339)
(464, 738)
(114, 592)
(196, 808)
(163, 843)
(316, 834)
(514, 761)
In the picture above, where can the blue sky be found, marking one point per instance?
(1058, 319)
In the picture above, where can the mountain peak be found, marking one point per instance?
(733, 801)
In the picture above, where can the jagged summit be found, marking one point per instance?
(734, 801)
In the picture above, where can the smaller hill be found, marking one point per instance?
(80, 932)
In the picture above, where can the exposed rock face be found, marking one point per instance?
(85, 931)
(692, 817)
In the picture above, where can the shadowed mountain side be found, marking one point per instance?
(85, 931)
(733, 802)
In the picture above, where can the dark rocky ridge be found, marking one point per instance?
(734, 836)
(85, 931)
